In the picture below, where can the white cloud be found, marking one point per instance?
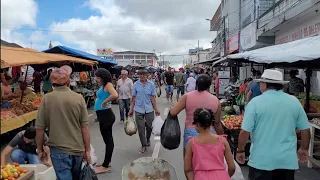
(16, 14)
(141, 25)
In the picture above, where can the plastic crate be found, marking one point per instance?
(41, 172)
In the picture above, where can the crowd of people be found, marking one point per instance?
(271, 118)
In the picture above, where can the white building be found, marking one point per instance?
(197, 56)
(144, 58)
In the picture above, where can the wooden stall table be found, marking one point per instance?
(311, 160)
(17, 122)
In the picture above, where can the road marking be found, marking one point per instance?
(157, 145)
(166, 111)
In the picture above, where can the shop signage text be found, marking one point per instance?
(301, 33)
(233, 43)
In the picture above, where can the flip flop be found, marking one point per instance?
(99, 170)
(99, 165)
(143, 150)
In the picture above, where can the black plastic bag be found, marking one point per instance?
(170, 133)
(87, 173)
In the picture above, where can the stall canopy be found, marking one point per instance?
(11, 57)
(300, 51)
(77, 53)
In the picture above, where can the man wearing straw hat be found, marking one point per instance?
(272, 119)
(145, 106)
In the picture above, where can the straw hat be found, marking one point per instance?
(272, 76)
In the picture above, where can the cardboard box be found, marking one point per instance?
(41, 172)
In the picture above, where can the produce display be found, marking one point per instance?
(232, 121)
(229, 110)
(316, 121)
(12, 171)
(30, 103)
(314, 97)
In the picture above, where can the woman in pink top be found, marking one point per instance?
(196, 99)
(204, 158)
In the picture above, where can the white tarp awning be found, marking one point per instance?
(300, 50)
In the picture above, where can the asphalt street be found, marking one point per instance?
(127, 148)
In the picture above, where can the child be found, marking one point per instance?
(204, 158)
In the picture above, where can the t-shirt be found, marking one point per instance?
(64, 112)
(169, 78)
(191, 82)
(272, 119)
(255, 88)
(31, 147)
(180, 79)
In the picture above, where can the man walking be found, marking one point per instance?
(180, 82)
(144, 105)
(64, 113)
(169, 80)
(124, 88)
(254, 88)
(272, 119)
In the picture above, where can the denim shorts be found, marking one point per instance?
(180, 89)
(169, 89)
(192, 132)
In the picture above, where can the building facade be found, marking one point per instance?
(197, 56)
(144, 58)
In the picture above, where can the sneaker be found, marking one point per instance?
(121, 121)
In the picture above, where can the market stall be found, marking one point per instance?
(303, 54)
(17, 111)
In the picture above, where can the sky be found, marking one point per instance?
(167, 26)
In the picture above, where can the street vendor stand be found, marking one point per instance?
(304, 53)
(11, 57)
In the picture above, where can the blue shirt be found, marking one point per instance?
(143, 96)
(272, 119)
(255, 88)
(101, 96)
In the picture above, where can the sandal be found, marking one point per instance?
(101, 170)
(143, 150)
(99, 165)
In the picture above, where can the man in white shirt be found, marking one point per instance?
(191, 83)
(124, 88)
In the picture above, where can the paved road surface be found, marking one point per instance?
(127, 148)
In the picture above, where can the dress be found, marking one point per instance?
(208, 161)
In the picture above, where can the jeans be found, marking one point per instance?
(21, 157)
(67, 167)
(144, 122)
(124, 105)
(169, 89)
(180, 89)
(106, 119)
(277, 174)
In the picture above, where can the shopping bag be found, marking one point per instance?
(93, 155)
(130, 126)
(238, 173)
(157, 125)
(159, 91)
(87, 173)
(170, 133)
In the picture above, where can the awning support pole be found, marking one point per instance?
(308, 84)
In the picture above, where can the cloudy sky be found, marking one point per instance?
(166, 26)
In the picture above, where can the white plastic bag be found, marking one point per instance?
(93, 155)
(238, 173)
(157, 125)
(130, 126)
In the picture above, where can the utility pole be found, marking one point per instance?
(198, 52)
(224, 36)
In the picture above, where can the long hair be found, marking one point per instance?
(105, 75)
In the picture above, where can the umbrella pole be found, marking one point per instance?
(25, 80)
(308, 84)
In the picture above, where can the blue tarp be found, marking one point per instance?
(77, 53)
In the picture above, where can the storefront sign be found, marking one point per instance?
(248, 36)
(300, 33)
(104, 52)
(233, 43)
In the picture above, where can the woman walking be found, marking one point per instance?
(105, 95)
(200, 98)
